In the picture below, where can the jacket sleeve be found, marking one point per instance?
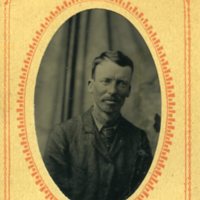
(56, 160)
(143, 162)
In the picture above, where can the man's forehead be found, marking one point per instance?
(109, 67)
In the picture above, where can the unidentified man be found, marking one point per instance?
(100, 155)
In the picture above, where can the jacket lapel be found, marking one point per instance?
(90, 128)
(118, 143)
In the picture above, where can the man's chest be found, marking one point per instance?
(89, 153)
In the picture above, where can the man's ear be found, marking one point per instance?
(90, 85)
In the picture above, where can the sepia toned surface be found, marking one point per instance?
(65, 69)
(179, 177)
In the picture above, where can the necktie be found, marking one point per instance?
(108, 134)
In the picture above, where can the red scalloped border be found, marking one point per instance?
(6, 100)
(187, 100)
(167, 79)
(170, 100)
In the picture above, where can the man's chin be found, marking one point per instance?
(110, 109)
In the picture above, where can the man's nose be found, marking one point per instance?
(112, 88)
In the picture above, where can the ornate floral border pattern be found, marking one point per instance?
(133, 10)
(169, 88)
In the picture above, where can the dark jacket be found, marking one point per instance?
(83, 169)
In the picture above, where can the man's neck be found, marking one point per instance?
(105, 118)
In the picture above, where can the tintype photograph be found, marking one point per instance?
(97, 107)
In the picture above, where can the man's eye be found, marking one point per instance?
(122, 84)
(106, 81)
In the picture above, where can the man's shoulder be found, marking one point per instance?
(129, 125)
(131, 129)
(75, 122)
(136, 136)
(71, 123)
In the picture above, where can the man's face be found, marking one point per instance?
(110, 86)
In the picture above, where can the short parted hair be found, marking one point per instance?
(115, 56)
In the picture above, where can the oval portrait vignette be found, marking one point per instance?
(97, 107)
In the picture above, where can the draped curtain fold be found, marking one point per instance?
(61, 86)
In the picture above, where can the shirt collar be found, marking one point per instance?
(99, 125)
(90, 125)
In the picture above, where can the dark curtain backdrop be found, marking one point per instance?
(61, 87)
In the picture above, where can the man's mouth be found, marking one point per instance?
(111, 100)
